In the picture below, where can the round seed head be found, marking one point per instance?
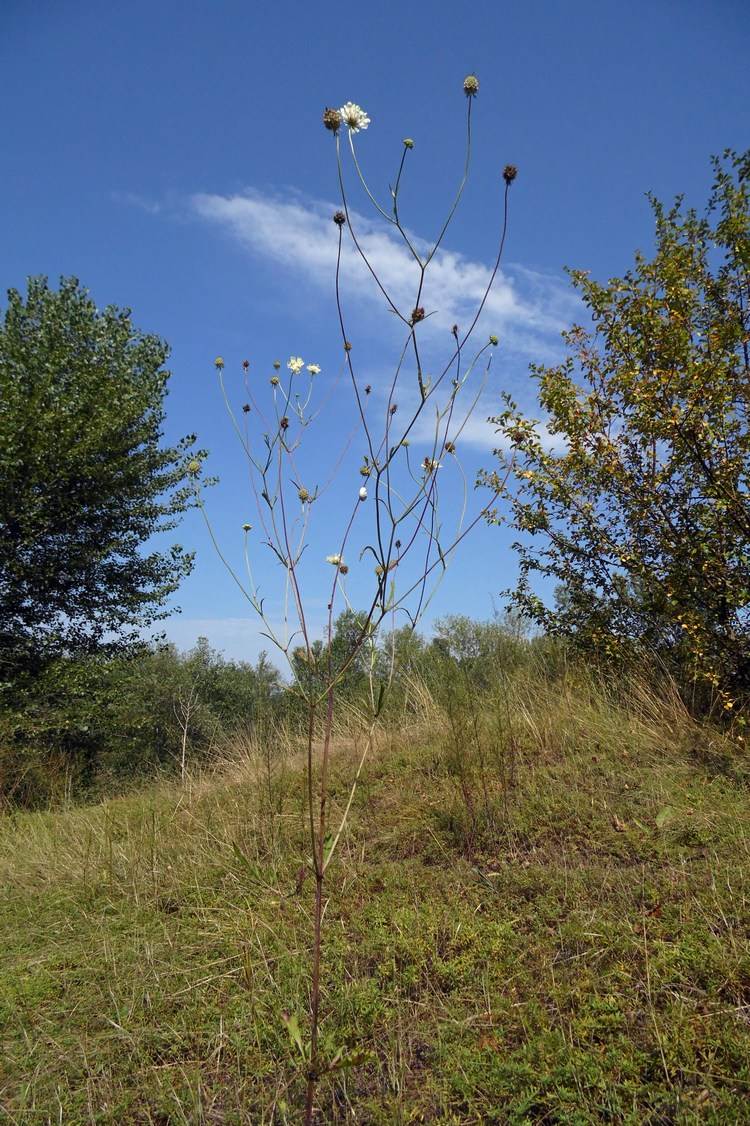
(332, 119)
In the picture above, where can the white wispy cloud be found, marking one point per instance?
(133, 199)
(528, 310)
(297, 233)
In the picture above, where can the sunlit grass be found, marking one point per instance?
(539, 914)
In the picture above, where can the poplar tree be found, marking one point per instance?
(85, 481)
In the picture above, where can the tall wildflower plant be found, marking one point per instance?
(396, 539)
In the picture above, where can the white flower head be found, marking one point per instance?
(334, 559)
(314, 369)
(363, 493)
(296, 365)
(354, 117)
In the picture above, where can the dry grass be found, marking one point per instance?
(538, 915)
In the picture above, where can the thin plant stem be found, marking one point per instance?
(410, 539)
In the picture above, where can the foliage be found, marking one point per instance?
(84, 481)
(162, 696)
(89, 724)
(636, 500)
(340, 656)
(481, 649)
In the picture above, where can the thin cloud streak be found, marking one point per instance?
(132, 199)
(297, 233)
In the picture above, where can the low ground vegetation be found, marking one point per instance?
(540, 916)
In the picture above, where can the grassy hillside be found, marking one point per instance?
(540, 915)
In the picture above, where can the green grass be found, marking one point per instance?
(539, 915)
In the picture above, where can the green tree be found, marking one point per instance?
(636, 500)
(84, 480)
(347, 662)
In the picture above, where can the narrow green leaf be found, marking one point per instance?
(292, 1026)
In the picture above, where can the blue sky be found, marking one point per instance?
(170, 154)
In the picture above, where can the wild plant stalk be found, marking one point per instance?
(405, 540)
(183, 708)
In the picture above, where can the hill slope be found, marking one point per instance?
(539, 915)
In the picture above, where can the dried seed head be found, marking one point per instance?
(509, 173)
(274, 380)
(417, 315)
(332, 119)
(218, 363)
(246, 364)
(245, 408)
(471, 85)
(343, 569)
(303, 495)
(454, 330)
(339, 218)
(284, 423)
(368, 389)
(394, 408)
(347, 346)
(450, 447)
(408, 143)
